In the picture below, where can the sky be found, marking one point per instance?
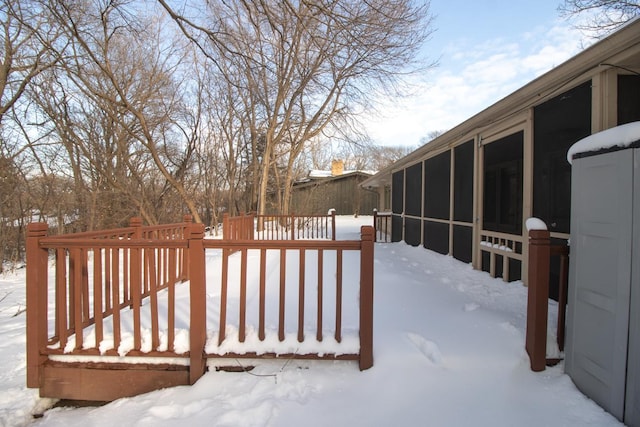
(485, 50)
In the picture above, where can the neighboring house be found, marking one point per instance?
(336, 189)
(469, 192)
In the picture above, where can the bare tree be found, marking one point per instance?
(26, 34)
(116, 105)
(25, 37)
(601, 17)
(309, 66)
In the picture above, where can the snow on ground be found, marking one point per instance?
(448, 351)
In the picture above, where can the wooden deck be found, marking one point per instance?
(155, 304)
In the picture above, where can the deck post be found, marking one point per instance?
(538, 298)
(197, 295)
(375, 225)
(37, 285)
(333, 224)
(136, 223)
(136, 282)
(366, 297)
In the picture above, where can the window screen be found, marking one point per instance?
(437, 173)
(628, 99)
(413, 194)
(557, 124)
(503, 185)
(462, 243)
(397, 192)
(463, 182)
(412, 231)
(436, 237)
(396, 228)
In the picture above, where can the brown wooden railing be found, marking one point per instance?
(501, 246)
(279, 227)
(382, 226)
(540, 252)
(96, 276)
(238, 227)
(114, 294)
(296, 227)
(325, 257)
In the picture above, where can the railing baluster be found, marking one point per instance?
(126, 283)
(62, 325)
(283, 274)
(171, 300)
(139, 261)
(223, 296)
(243, 295)
(320, 293)
(71, 293)
(76, 254)
(86, 306)
(107, 281)
(338, 332)
(153, 298)
(263, 274)
(115, 298)
(301, 277)
(97, 294)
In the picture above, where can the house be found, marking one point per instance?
(336, 189)
(469, 192)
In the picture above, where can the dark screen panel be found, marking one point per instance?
(413, 193)
(436, 237)
(437, 177)
(557, 124)
(463, 182)
(628, 99)
(412, 231)
(463, 243)
(485, 258)
(502, 204)
(396, 228)
(397, 192)
(515, 269)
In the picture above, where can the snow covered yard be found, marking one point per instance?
(448, 351)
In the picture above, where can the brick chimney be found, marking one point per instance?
(337, 167)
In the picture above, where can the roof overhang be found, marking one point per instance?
(619, 50)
